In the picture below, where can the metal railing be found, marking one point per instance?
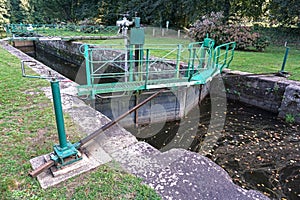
(57, 30)
(115, 69)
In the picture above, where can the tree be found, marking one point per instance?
(16, 12)
(285, 12)
(4, 15)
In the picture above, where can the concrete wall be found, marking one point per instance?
(167, 106)
(269, 92)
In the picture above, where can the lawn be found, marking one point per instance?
(269, 61)
(27, 128)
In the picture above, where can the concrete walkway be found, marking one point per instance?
(175, 174)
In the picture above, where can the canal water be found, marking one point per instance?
(258, 150)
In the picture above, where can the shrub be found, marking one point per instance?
(215, 27)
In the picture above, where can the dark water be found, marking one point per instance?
(258, 150)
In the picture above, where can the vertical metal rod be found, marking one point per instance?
(87, 65)
(58, 114)
(124, 31)
(136, 112)
(189, 62)
(141, 60)
(202, 63)
(131, 68)
(284, 59)
(178, 61)
(147, 67)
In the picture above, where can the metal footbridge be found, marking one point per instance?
(112, 69)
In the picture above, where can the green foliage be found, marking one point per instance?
(289, 118)
(218, 29)
(180, 13)
(284, 12)
(4, 15)
(280, 35)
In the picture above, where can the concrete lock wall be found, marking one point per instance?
(168, 106)
(269, 92)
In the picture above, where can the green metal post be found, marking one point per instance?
(284, 59)
(59, 114)
(141, 57)
(189, 62)
(87, 65)
(147, 67)
(131, 67)
(203, 50)
(178, 61)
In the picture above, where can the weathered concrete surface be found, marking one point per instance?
(180, 174)
(267, 91)
(174, 174)
(290, 104)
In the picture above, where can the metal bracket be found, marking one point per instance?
(65, 156)
(33, 63)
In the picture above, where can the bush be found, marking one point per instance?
(215, 27)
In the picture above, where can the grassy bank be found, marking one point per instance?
(269, 61)
(27, 128)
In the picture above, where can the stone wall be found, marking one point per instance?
(68, 51)
(290, 106)
(267, 91)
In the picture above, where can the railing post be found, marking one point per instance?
(190, 61)
(147, 67)
(178, 61)
(217, 54)
(131, 67)
(87, 65)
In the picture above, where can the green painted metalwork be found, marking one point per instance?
(284, 60)
(118, 69)
(65, 152)
(59, 114)
(64, 149)
(137, 36)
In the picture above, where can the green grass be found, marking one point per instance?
(78, 32)
(269, 61)
(27, 128)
